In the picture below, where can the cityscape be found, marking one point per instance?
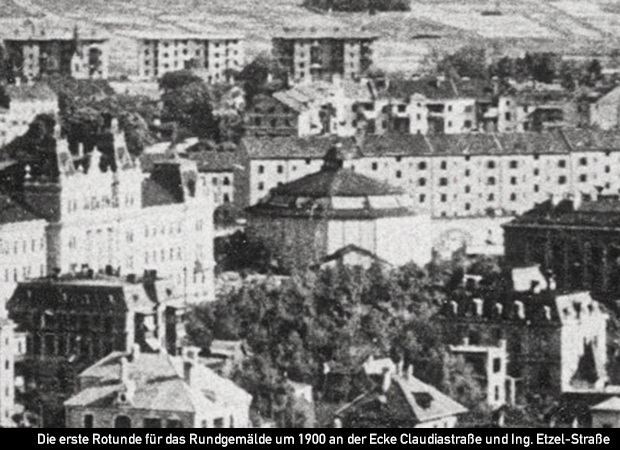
(309, 214)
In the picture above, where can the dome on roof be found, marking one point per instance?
(336, 191)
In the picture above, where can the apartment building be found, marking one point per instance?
(213, 56)
(313, 54)
(46, 46)
(449, 176)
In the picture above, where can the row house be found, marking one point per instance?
(315, 54)
(213, 56)
(37, 47)
(449, 176)
(138, 390)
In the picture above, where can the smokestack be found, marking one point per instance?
(387, 381)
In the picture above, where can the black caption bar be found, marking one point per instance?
(226, 438)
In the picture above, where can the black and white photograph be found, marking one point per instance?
(271, 214)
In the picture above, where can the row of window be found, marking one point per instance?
(23, 273)
(23, 247)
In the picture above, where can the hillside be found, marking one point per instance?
(573, 26)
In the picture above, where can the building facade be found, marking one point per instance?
(577, 239)
(305, 220)
(213, 57)
(323, 54)
(136, 390)
(38, 47)
(555, 341)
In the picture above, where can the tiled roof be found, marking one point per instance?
(29, 92)
(154, 194)
(100, 292)
(604, 212)
(293, 147)
(159, 385)
(439, 89)
(323, 33)
(214, 160)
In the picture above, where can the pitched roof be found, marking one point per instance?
(154, 194)
(29, 92)
(323, 33)
(611, 404)
(159, 385)
(215, 161)
(288, 147)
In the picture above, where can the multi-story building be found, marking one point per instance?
(11, 349)
(23, 246)
(38, 47)
(555, 340)
(70, 321)
(312, 54)
(577, 239)
(139, 390)
(23, 102)
(303, 221)
(103, 211)
(215, 57)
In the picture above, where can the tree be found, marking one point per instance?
(469, 61)
(264, 75)
(187, 102)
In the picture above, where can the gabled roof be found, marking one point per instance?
(293, 147)
(611, 404)
(154, 194)
(30, 92)
(11, 211)
(159, 385)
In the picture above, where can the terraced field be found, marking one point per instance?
(407, 38)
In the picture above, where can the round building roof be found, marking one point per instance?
(336, 192)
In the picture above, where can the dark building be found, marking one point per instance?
(577, 239)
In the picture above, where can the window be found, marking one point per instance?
(536, 172)
(280, 169)
(422, 165)
(491, 165)
(467, 172)
(422, 198)
(561, 179)
(443, 181)
(513, 197)
(583, 161)
(261, 169)
(443, 165)
(444, 198)
(467, 189)
(467, 124)
(536, 188)
(562, 163)
(467, 206)
(122, 422)
(583, 178)
(514, 164)
(375, 166)
(607, 169)
(173, 423)
(261, 186)
(491, 197)
(491, 181)
(399, 174)
(508, 116)
(152, 423)
(513, 180)
(218, 423)
(88, 421)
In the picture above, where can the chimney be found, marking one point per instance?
(387, 380)
(498, 309)
(547, 312)
(454, 307)
(519, 309)
(131, 278)
(124, 370)
(190, 358)
(109, 270)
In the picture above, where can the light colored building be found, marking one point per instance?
(25, 102)
(606, 414)
(489, 364)
(305, 220)
(398, 400)
(313, 54)
(23, 246)
(138, 390)
(104, 212)
(214, 57)
(11, 346)
(605, 112)
(48, 46)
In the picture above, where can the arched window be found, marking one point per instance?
(122, 422)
